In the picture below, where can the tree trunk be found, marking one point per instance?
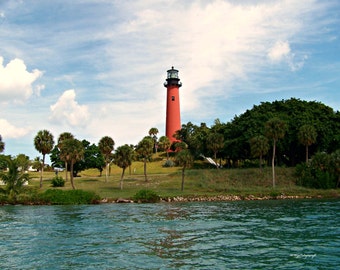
(273, 163)
(42, 171)
(182, 186)
(71, 176)
(122, 178)
(106, 172)
(146, 177)
(306, 153)
(66, 178)
(261, 163)
(215, 159)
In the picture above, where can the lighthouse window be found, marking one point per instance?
(173, 98)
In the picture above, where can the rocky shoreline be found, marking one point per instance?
(221, 198)
(218, 198)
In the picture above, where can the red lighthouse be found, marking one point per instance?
(173, 114)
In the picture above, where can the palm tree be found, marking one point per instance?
(307, 136)
(184, 159)
(43, 142)
(165, 144)
(14, 179)
(215, 142)
(62, 137)
(275, 129)
(123, 159)
(144, 150)
(259, 146)
(153, 134)
(2, 145)
(106, 146)
(71, 151)
(36, 163)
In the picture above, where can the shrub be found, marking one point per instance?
(58, 181)
(317, 174)
(57, 196)
(168, 163)
(146, 196)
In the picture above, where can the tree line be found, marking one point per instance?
(293, 129)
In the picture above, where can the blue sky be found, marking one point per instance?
(97, 67)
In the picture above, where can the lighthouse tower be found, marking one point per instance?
(173, 114)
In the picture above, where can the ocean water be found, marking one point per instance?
(278, 234)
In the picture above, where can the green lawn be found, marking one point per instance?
(166, 182)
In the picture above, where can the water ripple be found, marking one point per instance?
(229, 235)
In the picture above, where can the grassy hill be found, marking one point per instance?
(166, 182)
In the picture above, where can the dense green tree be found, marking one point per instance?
(335, 163)
(144, 151)
(185, 159)
(295, 113)
(23, 162)
(62, 137)
(215, 143)
(36, 163)
(14, 179)
(2, 145)
(3, 162)
(275, 129)
(233, 145)
(44, 143)
(93, 158)
(153, 134)
(106, 146)
(307, 136)
(164, 144)
(71, 151)
(259, 146)
(123, 158)
(194, 136)
(56, 162)
(179, 146)
(218, 126)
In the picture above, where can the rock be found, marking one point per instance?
(121, 200)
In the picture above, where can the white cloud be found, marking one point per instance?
(38, 89)
(212, 43)
(279, 51)
(126, 122)
(117, 53)
(7, 130)
(15, 81)
(67, 111)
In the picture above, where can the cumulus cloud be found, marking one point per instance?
(67, 110)
(7, 130)
(281, 52)
(15, 81)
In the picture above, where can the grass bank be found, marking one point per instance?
(199, 183)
